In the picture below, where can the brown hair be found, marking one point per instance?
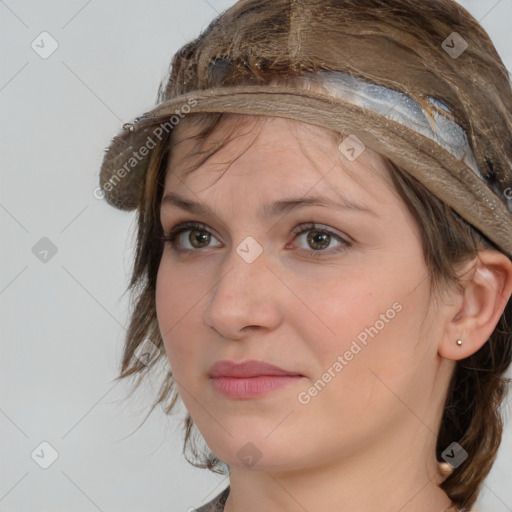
(471, 413)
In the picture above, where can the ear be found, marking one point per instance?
(474, 313)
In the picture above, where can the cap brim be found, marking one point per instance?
(126, 160)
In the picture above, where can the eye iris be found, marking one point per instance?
(196, 235)
(313, 239)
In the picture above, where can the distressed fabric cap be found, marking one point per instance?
(429, 108)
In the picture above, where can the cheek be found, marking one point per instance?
(370, 320)
(332, 312)
(177, 304)
(165, 300)
(177, 293)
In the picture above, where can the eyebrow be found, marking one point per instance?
(268, 211)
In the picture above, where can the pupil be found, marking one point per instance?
(196, 236)
(313, 239)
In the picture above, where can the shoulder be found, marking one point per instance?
(217, 504)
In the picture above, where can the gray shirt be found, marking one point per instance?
(217, 504)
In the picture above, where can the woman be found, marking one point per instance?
(324, 195)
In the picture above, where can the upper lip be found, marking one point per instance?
(250, 368)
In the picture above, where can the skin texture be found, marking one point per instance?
(366, 440)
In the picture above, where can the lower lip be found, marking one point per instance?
(236, 387)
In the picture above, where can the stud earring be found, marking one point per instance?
(446, 469)
(459, 342)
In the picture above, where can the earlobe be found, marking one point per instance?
(487, 289)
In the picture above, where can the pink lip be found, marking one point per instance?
(250, 378)
(250, 368)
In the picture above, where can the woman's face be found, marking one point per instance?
(339, 305)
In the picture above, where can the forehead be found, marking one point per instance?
(249, 163)
(204, 143)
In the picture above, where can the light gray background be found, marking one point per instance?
(63, 321)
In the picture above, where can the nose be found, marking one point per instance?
(247, 297)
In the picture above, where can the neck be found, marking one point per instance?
(392, 474)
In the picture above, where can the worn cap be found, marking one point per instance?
(431, 106)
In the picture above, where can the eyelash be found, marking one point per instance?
(299, 230)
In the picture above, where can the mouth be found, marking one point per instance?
(250, 387)
(250, 378)
(251, 368)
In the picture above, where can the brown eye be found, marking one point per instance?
(320, 238)
(198, 237)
